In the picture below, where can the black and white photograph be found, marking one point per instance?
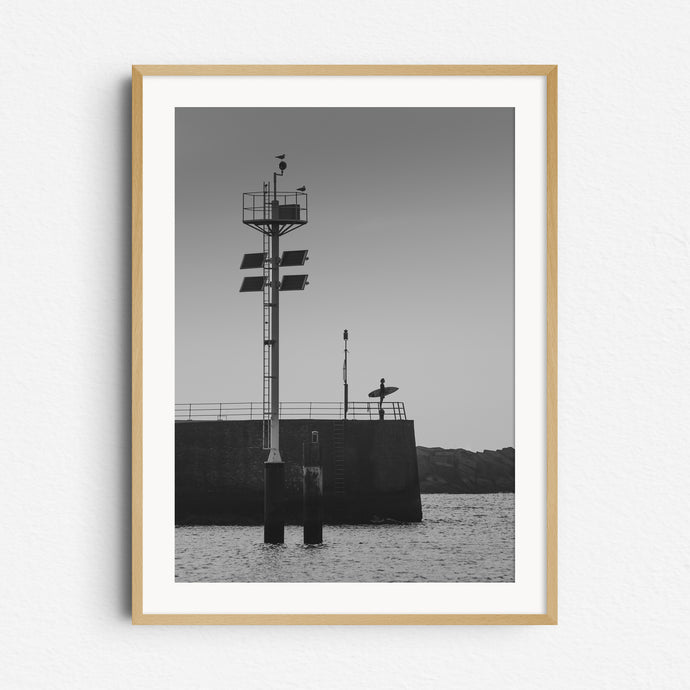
(344, 344)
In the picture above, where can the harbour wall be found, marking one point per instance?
(219, 473)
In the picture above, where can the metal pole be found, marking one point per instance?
(345, 374)
(274, 469)
(274, 455)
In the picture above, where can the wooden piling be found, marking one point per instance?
(312, 488)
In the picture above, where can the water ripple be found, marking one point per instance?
(463, 538)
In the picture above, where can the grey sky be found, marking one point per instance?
(410, 239)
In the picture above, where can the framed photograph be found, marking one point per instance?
(344, 344)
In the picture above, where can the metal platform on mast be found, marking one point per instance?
(291, 210)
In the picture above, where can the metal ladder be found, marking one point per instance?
(339, 456)
(267, 374)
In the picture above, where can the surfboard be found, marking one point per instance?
(376, 393)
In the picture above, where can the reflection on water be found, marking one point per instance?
(463, 538)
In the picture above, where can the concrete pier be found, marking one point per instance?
(219, 471)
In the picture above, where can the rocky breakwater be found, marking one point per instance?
(443, 471)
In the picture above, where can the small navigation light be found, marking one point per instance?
(293, 282)
(253, 284)
(253, 260)
(295, 257)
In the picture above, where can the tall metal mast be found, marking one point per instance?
(274, 453)
(286, 211)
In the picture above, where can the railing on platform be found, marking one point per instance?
(288, 410)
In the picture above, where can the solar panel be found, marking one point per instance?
(253, 260)
(293, 282)
(253, 284)
(295, 257)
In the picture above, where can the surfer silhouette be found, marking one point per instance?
(381, 392)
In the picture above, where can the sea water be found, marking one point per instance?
(462, 538)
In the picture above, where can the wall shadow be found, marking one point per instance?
(124, 226)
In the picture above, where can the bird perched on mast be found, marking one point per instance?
(301, 189)
(281, 156)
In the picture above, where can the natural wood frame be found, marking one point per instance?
(550, 617)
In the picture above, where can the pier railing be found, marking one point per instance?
(288, 410)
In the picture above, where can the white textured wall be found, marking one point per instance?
(624, 341)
